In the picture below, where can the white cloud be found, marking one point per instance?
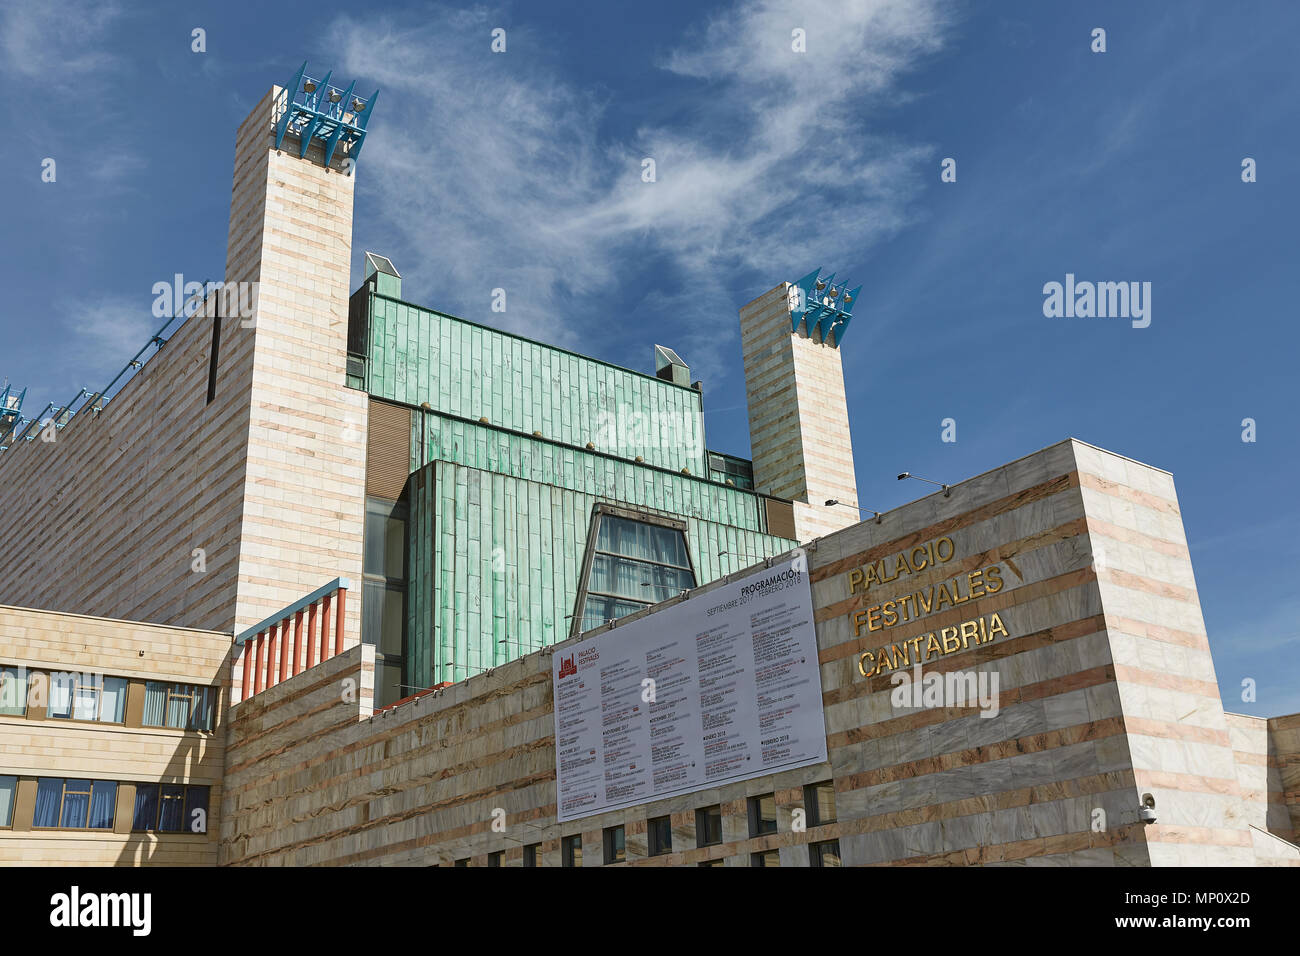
(490, 170)
(56, 43)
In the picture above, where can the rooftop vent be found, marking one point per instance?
(388, 281)
(670, 367)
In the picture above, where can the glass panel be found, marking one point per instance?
(113, 705)
(155, 703)
(13, 691)
(827, 854)
(61, 694)
(76, 803)
(178, 706)
(388, 683)
(103, 801)
(146, 806)
(8, 787)
(385, 546)
(601, 609)
(661, 836)
(762, 815)
(85, 699)
(172, 817)
(201, 718)
(637, 580)
(196, 799)
(820, 800)
(384, 617)
(636, 539)
(49, 794)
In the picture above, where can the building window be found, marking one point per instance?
(660, 834)
(766, 858)
(88, 697)
(710, 863)
(383, 600)
(182, 706)
(170, 808)
(464, 861)
(826, 853)
(495, 859)
(708, 826)
(533, 854)
(8, 788)
(13, 691)
(74, 804)
(819, 802)
(633, 564)
(762, 815)
(615, 845)
(571, 850)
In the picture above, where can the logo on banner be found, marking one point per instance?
(568, 666)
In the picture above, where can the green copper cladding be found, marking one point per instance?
(471, 371)
(503, 482)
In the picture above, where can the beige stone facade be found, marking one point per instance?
(1106, 693)
(215, 515)
(34, 744)
(798, 417)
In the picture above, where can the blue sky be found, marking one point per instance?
(522, 171)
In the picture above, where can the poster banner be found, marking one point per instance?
(720, 687)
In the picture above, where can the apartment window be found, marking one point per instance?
(496, 859)
(615, 845)
(634, 564)
(74, 804)
(762, 815)
(819, 802)
(533, 854)
(88, 697)
(766, 858)
(170, 808)
(8, 788)
(571, 850)
(708, 826)
(182, 706)
(826, 853)
(13, 691)
(660, 835)
(383, 600)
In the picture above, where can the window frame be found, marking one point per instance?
(13, 800)
(701, 825)
(615, 854)
(18, 671)
(653, 844)
(74, 694)
(533, 855)
(568, 845)
(599, 513)
(198, 693)
(159, 805)
(812, 807)
(88, 793)
(756, 820)
(815, 851)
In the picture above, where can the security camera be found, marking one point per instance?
(1147, 812)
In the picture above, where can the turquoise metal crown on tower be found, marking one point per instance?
(825, 304)
(311, 109)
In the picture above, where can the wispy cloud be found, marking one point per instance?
(490, 171)
(56, 43)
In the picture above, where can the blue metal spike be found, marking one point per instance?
(290, 92)
(324, 85)
(337, 116)
(364, 118)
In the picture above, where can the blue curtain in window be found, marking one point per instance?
(173, 809)
(103, 801)
(178, 708)
(146, 807)
(201, 719)
(76, 803)
(155, 702)
(48, 794)
(196, 798)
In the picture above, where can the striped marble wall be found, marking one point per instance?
(1105, 691)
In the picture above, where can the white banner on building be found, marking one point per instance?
(722, 686)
